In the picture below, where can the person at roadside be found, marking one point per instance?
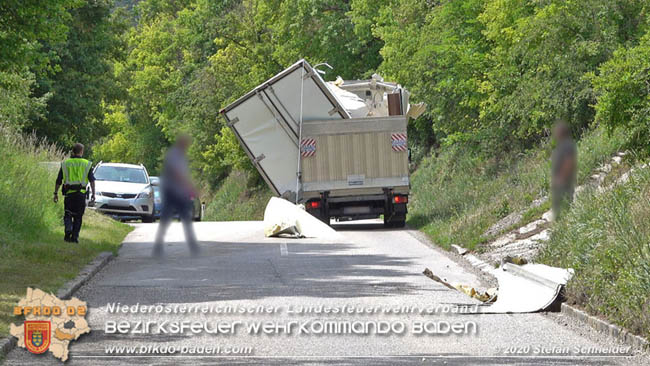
(176, 190)
(74, 175)
(564, 165)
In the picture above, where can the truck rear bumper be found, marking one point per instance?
(358, 193)
(360, 207)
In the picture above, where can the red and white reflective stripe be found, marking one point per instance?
(398, 141)
(307, 148)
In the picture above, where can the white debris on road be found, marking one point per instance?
(282, 217)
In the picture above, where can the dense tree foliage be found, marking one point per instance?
(17, 107)
(126, 77)
(84, 79)
(498, 73)
(56, 67)
(187, 60)
(623, 86)
(25, 25)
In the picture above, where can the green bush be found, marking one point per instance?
(238, 199)
(605, 238)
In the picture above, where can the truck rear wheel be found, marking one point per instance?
(324, 219)
(395, 221)
(320, 216)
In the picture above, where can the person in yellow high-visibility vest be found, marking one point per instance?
(74, 175)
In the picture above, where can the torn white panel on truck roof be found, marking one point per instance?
(374, 93)
(354, 105)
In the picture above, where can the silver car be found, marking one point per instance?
(123, 191)
(198, 207)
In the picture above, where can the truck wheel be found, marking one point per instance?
(317, 215)
(395, 222)
(326, 220)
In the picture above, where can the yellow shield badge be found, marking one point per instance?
(37, 335)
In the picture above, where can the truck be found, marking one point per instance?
(340, 148)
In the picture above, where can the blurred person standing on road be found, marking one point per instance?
(564, 163)
(74, 175)
(176, 190)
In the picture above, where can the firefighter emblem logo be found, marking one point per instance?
(37, 336)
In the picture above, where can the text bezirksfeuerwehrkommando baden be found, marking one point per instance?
(292, 327)
(364, 326)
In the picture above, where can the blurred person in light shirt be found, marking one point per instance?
(177, 192)
(564, 167)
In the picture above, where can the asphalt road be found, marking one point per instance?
(367, 269)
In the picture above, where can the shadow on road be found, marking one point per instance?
(250, 271)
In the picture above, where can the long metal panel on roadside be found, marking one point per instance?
(266, 121)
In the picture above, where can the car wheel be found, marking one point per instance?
(196, 217)
(147, 219)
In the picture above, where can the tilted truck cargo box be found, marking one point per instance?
(266, 121)
(301, 139)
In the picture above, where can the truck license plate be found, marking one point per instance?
(356, 210)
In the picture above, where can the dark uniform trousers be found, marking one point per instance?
(75, 205)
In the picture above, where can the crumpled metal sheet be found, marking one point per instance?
(282, 229)
(522, 288)
(528, 288)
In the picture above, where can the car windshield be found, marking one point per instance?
(120, 174)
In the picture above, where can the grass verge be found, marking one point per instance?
(605, 238)
(32, 250)
(238, 200)
(456, 196)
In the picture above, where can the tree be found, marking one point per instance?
(438, 52)
(543, 53)
(623, 89)
(25, 25)
(17, 107)
(85, 77)
(322, 31)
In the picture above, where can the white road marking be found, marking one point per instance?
(283, 250)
